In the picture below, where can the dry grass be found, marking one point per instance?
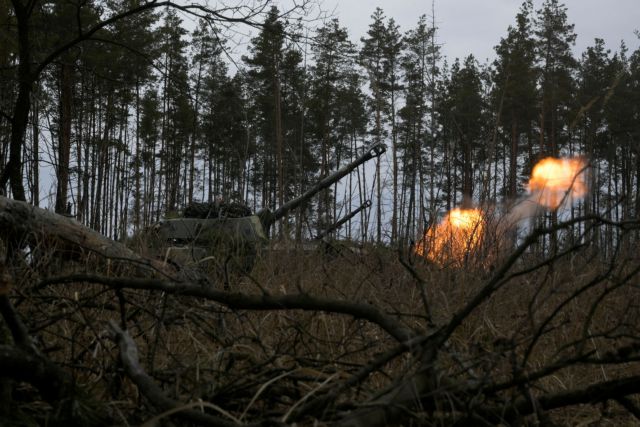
(265, 363)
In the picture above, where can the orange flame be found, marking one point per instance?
(555, 180)
(453, 238)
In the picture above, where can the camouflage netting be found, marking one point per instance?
(216, 210)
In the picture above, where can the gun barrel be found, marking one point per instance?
(373, 151)
(340, 223)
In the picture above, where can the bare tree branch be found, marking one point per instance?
(131, 361)
(240, 301)
(21, 219)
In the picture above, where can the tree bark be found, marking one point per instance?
(64, 138)
(13, 169)
(21, 219)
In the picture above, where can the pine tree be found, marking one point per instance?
(178, 113)
(592, 82)
(554, 38)
(37, 49)
(380, 56)
(299, 165)
(208, 73)
(372, 58)
(109, 85)
(419, 76)
(514, 93)
(332, 52)
(226, 149)
(467, 107)
(265, 76)
(7, 88)
(275, 81)
(149, 131)
(630, 124)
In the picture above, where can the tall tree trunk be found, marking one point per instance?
(394, 153)
(277, 97)
(64, 138)
(102, 164)
(467, 174)
(513, 161)
(542, 131)
(378, 174)
(137, 165)
(35, 161)
(13, 169)
(83, 208)
(194, 136)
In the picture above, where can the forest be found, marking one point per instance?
(117, 115)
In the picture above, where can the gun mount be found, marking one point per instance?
(220, 234)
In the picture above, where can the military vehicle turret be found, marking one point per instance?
(223, 235)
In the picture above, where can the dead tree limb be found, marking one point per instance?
(24, 362)
(18, 329)
(24, 221)
(301, 301)
(596, 393)
(146, 385)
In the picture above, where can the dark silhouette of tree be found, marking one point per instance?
(419, 77)
(466, 110)
(331, 95)
(514, 94)
(372, 58)
(554, 39)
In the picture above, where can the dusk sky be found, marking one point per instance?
(476, 26)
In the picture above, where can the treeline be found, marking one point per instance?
(143, 117)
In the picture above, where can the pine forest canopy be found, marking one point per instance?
(136, 114)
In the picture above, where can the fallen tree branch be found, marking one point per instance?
(19, 331)
(320, 403)
(618, 389)
(241, 301)
(148, 388)
(22, 220)
(394, 404)
(25, 362)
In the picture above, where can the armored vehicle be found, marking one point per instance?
(220, 236)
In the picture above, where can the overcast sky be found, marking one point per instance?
(476, 26)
